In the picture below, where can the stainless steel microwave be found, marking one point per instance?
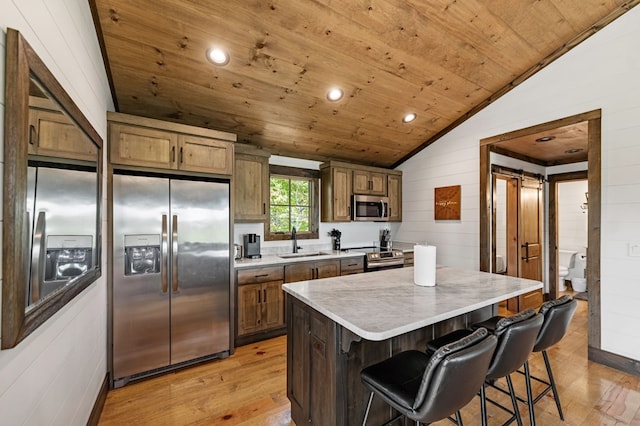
(370, 208)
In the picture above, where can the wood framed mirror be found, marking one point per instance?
(52, 195)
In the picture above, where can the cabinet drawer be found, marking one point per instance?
(352, 265)
(260, 275)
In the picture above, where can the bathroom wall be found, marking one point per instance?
(54, 375)
(572, 219)
(600, 73)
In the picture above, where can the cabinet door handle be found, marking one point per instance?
(173, 154)
(264, 295)
(317, 274)
(181, 156)
(32, 134)
(264, 208)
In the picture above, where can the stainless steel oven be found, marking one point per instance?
(377, 260)
(370, 208)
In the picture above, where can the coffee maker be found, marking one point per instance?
(252, 246)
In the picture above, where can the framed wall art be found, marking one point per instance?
(447, 202)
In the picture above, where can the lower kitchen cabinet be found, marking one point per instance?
(260, 310)
(353, 265)
(260, 307)
(304, 271)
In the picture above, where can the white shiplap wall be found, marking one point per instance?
(54, 375)
(600, 73)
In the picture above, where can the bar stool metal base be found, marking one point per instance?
(550, 386)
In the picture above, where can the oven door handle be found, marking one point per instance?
(376, 265)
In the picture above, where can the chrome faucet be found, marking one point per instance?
(295, 239)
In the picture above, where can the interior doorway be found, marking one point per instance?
(585, 127)
(554, 227)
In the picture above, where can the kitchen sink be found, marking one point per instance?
(300, 254)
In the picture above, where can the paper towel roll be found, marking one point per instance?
(424, 268)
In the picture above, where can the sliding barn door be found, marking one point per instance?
(529, 236)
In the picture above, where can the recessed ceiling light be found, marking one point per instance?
(335, 94)
(409, 117)
(573, 150)
(545, 139)
(217, 56)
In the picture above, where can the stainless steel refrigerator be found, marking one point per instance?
(61, 204)
(171, 273)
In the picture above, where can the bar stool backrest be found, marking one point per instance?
(516, 337)
(557, 316)
(453, 376)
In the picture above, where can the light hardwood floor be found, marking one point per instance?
(249, 388)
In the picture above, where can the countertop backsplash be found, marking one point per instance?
(354, 234)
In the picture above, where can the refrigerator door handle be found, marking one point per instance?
(37, 256)
(174, 253)
(165, 254)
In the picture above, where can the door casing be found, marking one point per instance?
(594, 173)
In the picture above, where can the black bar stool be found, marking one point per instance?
(516, 337)
(430, 388)
(557, 315)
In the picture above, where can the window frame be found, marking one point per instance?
(314, 203)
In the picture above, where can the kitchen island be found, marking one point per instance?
(337, 326)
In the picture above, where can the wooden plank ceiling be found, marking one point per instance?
(442, 59)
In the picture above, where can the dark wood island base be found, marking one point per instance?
(324, 360)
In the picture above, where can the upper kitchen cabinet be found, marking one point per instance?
(53, 134)
(336, 193)
(149, 143)
(394, 193)
(340, 181)
(369, 182)
(251, 184)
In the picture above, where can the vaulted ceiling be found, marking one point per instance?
(443, 60)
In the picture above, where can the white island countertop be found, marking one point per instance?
(384, 304)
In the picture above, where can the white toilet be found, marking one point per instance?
(566, 261)
(577, 273)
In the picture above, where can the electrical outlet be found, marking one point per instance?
(634, 249)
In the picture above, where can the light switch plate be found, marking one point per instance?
(634, 249)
